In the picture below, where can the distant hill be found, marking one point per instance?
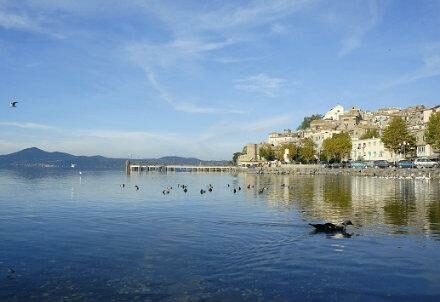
(37, 158)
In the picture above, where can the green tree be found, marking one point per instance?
(328, 148)
(307, 151)
(267, 152)
(397, 138)
(235, 157)
(307, 120)
(370, 133)
(337, 147)
(432, 132)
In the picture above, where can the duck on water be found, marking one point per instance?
(330, 227)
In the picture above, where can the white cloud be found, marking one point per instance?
(25, 125)
(26, 20)
(254, 14)
(18, 22)
(261, 84)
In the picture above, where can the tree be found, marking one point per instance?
(307, 120)
(337, 147)
(396, 136)
(328, 148)
(235, 157)
(307, 151)
(267, 152)
(432, 132)
(370, 133)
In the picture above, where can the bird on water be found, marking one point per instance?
(330, 227)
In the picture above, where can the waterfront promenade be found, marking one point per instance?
(140, 167)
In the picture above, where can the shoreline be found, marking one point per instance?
(393, 173)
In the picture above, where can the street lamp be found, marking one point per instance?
(403, 145)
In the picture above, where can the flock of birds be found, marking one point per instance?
(209, 188)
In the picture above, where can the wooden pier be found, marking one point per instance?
(139, 167)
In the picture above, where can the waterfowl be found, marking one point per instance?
(137, 187)
(248, 186)
(330, 227)
(235, 190)
(210, 189)
(185, 190)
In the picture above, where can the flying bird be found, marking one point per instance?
(14, 104)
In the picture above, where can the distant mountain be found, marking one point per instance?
(34, 157)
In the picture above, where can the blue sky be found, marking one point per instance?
(147, 78)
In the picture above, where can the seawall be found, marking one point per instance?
(371, 172)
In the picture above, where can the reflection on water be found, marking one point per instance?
(71, 237)
(404, 205)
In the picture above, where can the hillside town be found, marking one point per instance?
(360, 135)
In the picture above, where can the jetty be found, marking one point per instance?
(140, 167)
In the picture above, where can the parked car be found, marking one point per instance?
(425, 163)
(405, 164)
(381, 164)
(334, 165)
(359, 165)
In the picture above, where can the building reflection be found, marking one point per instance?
(403, 206)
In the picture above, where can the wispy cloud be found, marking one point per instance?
(430, 67)
(184, 106)
(25, 125)
(253, 14)
(366, 20)
(22, 21)
(261, 84)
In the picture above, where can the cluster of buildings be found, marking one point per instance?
(356, 122)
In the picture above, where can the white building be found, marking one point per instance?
(370, 149)
(334, 113)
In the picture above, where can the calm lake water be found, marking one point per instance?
(71, 237)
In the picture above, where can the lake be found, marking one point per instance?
(71, 237)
